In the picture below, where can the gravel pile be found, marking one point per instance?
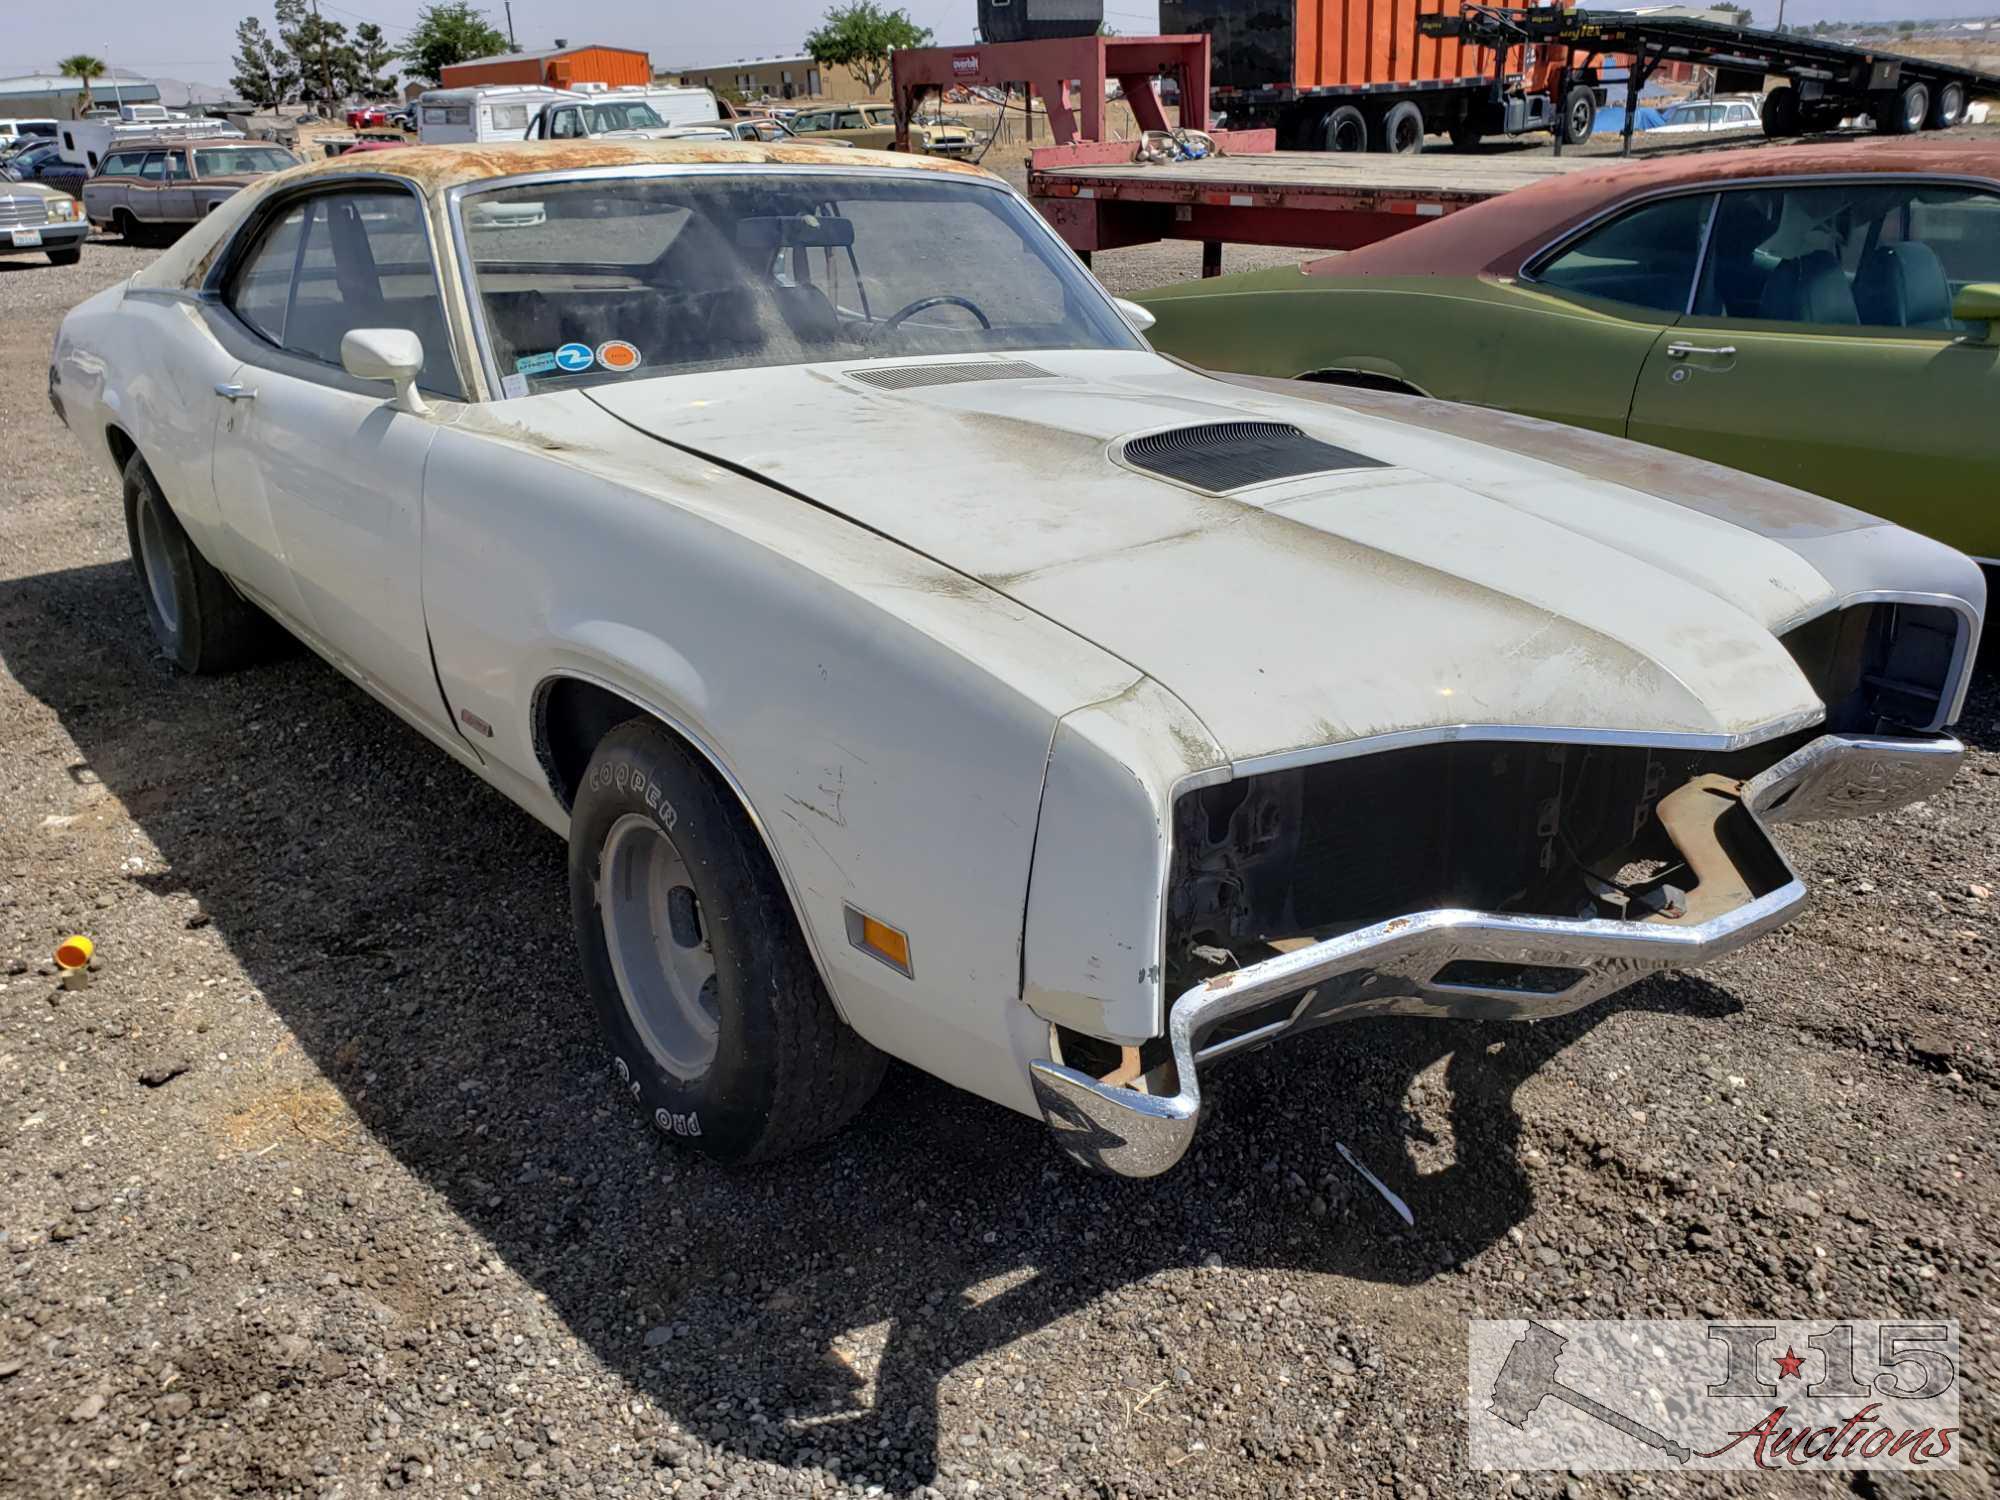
(321, 1186)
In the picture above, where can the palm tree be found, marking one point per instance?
(82, 67)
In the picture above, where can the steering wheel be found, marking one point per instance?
(891, 324)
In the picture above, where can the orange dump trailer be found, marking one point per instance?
(1354, 75)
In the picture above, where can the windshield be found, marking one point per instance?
(242, 161)
(629, 277)
(634, 116)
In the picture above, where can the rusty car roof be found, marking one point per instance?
(436, 168)
(1494, 238)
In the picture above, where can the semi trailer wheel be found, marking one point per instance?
(1905, 113)
(1346, 129)
(1402, 132)
(1947, 107)
(1780, 113)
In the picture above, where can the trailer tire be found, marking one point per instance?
(1780, 112)
(1947, 106)
(1465, 133)
(1402, 130)
(1579, 116)
(1906, 110)
(1345, 129)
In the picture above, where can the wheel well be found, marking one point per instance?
(1366, 380)
(122, 447)
(571, 717)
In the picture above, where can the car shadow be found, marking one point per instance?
(411, 930)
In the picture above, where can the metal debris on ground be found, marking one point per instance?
(1378, 1184)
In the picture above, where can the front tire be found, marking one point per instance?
(719, 1026)
(67, 257)
(1345, 129)
(200, 622)
(1579, 120)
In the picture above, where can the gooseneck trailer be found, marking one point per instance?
(1825, 81)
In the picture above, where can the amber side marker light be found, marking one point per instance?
(878, 939)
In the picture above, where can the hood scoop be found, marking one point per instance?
(1223, 457)
(908, 377)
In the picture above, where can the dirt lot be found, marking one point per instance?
(321, 1187)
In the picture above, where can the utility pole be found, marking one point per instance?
(512, 45)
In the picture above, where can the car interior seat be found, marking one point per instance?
(1903, 286)
(1809, 289)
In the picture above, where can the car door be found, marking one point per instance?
(1568, 340)
(317, 473)
(142, 197)
(1822, 352)
(174, 198)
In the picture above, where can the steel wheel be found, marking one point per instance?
(659, 948)
(159, 567)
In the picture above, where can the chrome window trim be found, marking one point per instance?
(240, 239)
(1964, 651)
(456, 195)
(1525, 274)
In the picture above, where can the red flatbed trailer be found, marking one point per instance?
(1315, 200)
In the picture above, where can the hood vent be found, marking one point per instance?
(1223, 456)
(907, 377)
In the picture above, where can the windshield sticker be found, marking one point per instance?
(536, 364)
(512, 386)
(617, 355)
(574, 359)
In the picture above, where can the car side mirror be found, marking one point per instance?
(1978, 303)
(393, 354)
(1140, 318)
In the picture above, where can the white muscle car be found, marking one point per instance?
(920, 665)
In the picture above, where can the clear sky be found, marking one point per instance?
(193, 39)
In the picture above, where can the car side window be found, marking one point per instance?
(154, 167)
(177, 167)
(565, 125)
(1646, 257)
(340, 261)
(1868, 254)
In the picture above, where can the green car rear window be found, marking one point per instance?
(1646, 257)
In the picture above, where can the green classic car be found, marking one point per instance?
(1828, 316)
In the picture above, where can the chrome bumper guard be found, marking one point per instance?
(1398, 967)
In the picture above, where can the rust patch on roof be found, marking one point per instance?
(436, 168)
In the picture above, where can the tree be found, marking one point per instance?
(264, 72)
(82, 67)
(860, 36)
(373, 57)
(446, 33)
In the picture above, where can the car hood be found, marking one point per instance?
(1447, 582)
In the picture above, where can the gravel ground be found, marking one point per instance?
(321, 1186)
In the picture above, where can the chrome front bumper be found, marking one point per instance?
(1398, 967)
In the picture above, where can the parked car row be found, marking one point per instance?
(1263, 704)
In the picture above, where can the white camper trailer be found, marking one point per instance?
(86, 142)
(474, 116)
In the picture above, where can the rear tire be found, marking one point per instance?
(1466, 134)
(1906, 112)
(1579, 117)
(200, 622)
(1947, 107)
(1780, 112)
(1402, 132)
(129, 229)
(1345, 129)
(719, 1026)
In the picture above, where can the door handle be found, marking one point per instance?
(230, 392)
(1682, 351)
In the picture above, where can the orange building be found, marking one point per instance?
(561, 67)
